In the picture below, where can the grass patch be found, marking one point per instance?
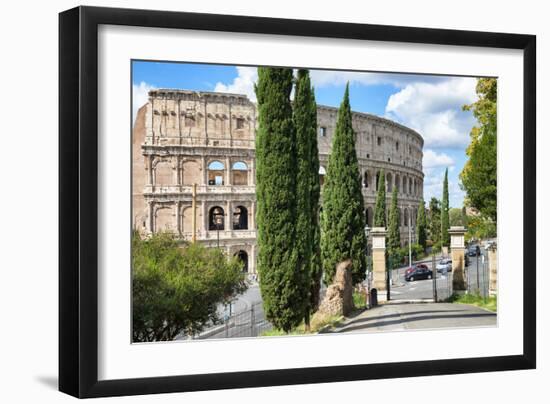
(359, 300)
(488, 303)
(317, 322)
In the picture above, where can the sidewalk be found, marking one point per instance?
(414, 316)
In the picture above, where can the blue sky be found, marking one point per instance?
(432, 105)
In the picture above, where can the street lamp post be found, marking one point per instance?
(367, 295)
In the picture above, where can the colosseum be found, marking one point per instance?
(197, 149)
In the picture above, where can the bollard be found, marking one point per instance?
(373, 297)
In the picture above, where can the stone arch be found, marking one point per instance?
(216, 217)
(410, 186)
(164, 219)
(242, 256)
(190, 173)
(404, 185)
(216, 173)
(406, 214)
(397, 182)
(163, 172)
(239, 173)
(240, 218)
(366, 179)
(389, 183)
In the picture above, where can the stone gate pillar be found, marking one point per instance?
(492, 254)
(379, 261)
(457, 257)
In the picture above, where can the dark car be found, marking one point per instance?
(419, 273)
(414, 267)
(473, 251)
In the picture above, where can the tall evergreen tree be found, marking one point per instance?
(282, 280)
(435, 221)
(343, 216)
(445, 238)
(380, 205)
(421, 225)
(394, 237)
(308, 188)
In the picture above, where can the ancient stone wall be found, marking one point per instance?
(183, 137)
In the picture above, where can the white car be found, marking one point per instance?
(444, 266)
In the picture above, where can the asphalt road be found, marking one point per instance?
(403, 316)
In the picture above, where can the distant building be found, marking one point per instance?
(182, 137)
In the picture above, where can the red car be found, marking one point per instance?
(415, 266)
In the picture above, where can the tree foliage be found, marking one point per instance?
(394, 236)
(421, 225)
(178, 290)
(380, 204)
(282, 278)
(479, 175)
(343, 215)
(308, 187)
(445, 238)
(456, 217)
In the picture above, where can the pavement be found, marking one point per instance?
(414, 316)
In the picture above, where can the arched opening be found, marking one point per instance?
(239, 173)
(187, 220)
(377, 179)
(366, 179)
(322, 173)
(397, 182)
(215, 173)
(240, 218)
(243, 257)
(404, 185)
(410, 186)
(216, 218)
(406, 217)
(389, 182)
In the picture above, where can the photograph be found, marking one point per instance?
(276, 201)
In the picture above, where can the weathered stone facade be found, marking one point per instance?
(183, 137)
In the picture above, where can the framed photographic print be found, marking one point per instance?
(251, 201)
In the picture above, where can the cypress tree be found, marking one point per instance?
(343, 216)
(308, 188)
(445, 238)
(394, 237)
(281, 278)
(380, 205)
(421, 225)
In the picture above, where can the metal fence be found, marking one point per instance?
(247, 323)
(477, 278)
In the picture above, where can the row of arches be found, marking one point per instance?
(404, 215)
(216, 173)
(239, 219)
(163, 173)
(403, 184)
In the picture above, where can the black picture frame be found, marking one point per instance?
(78, 200)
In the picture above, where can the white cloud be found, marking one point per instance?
(140, 96)
(242, 84)
(433, 159)
(324, 78)
(435, 110)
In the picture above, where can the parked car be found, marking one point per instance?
(418, 273)
(444, 266)
(473, 250)
(414, 267)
